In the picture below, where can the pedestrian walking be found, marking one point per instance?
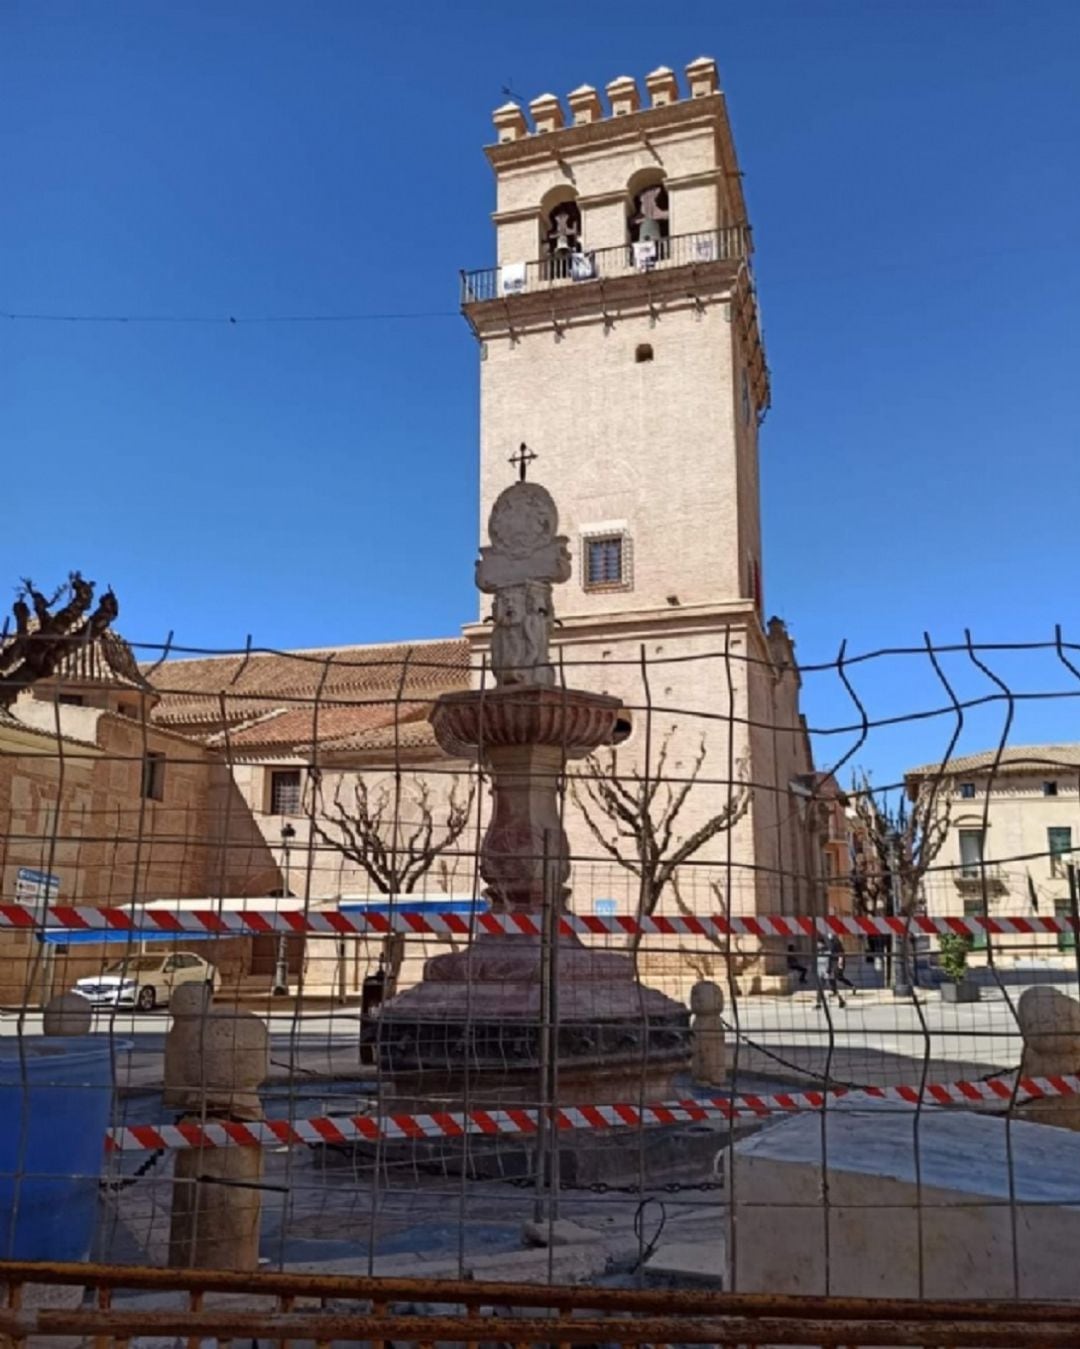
(838, 963)
(826, 975)
(795, 965)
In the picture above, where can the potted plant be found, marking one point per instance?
(953, 954)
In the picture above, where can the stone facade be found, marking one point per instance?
(73, 803)
(1020, 816)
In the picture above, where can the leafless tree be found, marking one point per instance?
(636, 818)
(896, 847)
(44, 635)
(894, 850)
(392, 834)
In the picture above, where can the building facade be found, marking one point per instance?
(1014, 827)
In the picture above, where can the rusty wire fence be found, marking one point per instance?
(852, 943)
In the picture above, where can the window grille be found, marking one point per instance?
(606, 563)
(285, 791)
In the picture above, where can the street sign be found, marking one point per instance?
(36, 887)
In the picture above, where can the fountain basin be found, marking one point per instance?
(525, 714)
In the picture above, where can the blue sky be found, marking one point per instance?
(910, 171)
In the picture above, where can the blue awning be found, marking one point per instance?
(81, 936)
(434, 904)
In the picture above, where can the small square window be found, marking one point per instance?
(1049, 789)
(967, 791)
(71, 700)
(605, 561)
(153, 776)
(285, 791)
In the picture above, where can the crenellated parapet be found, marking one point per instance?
(584, 105)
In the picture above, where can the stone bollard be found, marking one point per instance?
(67, 1014)
(708, 1066)
(1050, 1024)
(215, 1061)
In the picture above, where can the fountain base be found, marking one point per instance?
(473, 1028)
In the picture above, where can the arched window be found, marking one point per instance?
(649, 219)
(561, 226)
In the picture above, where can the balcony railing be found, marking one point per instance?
(571, 269)
(970, 875)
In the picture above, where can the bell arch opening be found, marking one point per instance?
(560, 232)
(648, 221)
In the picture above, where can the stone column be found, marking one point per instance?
(708, 1065)
(525, 828)
(1050, 1024)
(215, 1061)
(67, 1014)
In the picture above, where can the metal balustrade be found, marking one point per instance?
(570, 269)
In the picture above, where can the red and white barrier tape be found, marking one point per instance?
(444, 923)
(437, 1124)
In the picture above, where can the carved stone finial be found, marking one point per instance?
(525, 557)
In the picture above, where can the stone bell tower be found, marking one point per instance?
(619, 339)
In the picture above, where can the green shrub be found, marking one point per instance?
(954, 956)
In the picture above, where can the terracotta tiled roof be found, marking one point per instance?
(1014, 759)
(106, 660)
(266, 702)
(408, 733)
(297, 728)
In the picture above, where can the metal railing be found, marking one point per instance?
(215, 1307)
(569, 269)
(974, 873)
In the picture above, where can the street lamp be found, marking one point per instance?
(281, 962)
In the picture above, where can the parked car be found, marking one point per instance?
(146, 981)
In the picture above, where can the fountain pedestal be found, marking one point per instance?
(485, 1020)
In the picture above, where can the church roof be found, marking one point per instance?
(106, 660)
(284, 703)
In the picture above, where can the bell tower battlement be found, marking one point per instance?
(620, 338)
(601, 163)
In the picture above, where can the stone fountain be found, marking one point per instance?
(515, 1020)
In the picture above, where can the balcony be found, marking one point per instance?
(970, 876)
(730, 245)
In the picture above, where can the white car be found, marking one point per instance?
(146, 981)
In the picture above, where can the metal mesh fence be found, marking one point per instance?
(870, 980)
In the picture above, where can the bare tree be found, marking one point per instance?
(391, 833)
(897, 847)
(44, 635)
(635, 818)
